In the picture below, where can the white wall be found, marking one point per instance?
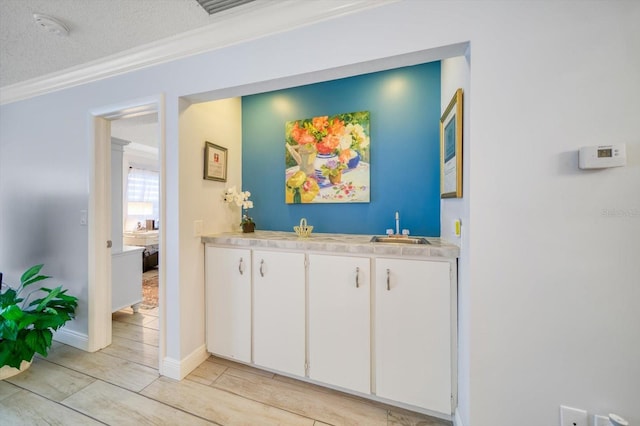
(455, 75)
(552, 283)
(219, 122)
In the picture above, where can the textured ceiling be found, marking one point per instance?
(98, 28)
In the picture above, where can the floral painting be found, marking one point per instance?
(327, 159)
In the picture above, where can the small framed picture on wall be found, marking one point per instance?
(215, 162)
(451, 149)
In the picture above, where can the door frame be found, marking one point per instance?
(99, 215)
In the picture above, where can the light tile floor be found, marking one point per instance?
(120, 385)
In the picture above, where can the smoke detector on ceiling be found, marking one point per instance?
(51, 25)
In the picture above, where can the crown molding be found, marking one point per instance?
(233, 28)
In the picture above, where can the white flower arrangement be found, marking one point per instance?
(240, 199)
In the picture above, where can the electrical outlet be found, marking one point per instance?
(572, 416)
(601, 420)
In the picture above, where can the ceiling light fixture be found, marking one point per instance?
(51, 25)
(215, 6)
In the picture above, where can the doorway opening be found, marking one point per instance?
(126, 135)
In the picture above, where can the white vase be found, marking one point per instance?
(6, 371)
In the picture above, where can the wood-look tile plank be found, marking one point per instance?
(248, 372)
(50, 380)
(397, 415)
(133, 351)
(132, 318)
(206, 373)
(328, 408)
(145, 311)
(127, 408)
(136, 333)
(319, 388)
(118, 371)
(7, 389)
(153, 312)
(153, 324)
(25, 408)
(239, 366)
(219, 406)
(401, 417)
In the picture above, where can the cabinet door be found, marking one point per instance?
(339, 321)
(413, 333)
(279, 311)
(228, 302)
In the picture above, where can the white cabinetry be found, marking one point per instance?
(279, 311)
(413, 332)
(378, 326)
(228, 301)
(126, 278)
(339, 321)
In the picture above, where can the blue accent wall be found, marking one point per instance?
(405, 151)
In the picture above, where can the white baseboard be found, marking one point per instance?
(178, 370)
(72, 338)
(457, 421)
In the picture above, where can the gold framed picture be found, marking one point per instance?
(215, 162)
(451, 149)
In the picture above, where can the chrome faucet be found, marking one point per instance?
(390, 232)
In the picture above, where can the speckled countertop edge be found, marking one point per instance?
(334, 243)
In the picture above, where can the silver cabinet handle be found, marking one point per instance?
(357, 277)
(389, 279)
(261, 270)
(240, 268)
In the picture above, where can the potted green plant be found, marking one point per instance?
(27, 326)
(247, 224)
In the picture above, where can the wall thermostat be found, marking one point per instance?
(602, 156)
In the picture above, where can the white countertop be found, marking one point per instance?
(334, 243)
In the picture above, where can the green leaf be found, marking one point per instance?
(12, 313)
(27, 320)
(39, 340)
(53, 293)
(35, 280)
(5, 352)
(13, 352)
(29, 273)
(50, 321)
(9, 297)
(8, 331)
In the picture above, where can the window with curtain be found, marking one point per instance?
(143, 186)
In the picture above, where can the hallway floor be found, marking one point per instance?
(120, 385)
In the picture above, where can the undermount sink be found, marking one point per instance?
(400, 239)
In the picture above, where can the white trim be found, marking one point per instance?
(232, 29)
(178, 370)
(72, 338)
(457, 421)
(99, 232)
(170, 367)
